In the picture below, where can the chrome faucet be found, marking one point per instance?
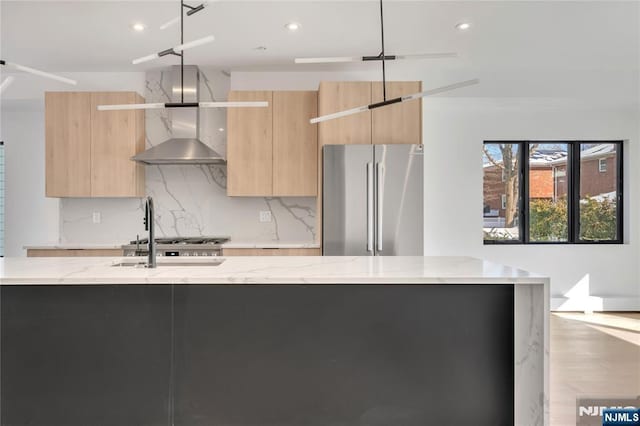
(149, 226)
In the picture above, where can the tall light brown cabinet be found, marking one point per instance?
(295, 144)
(250, 146)
(272, 151)
(68, 144)
(398, 123)
(88, 152)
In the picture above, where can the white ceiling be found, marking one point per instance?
(96, 35)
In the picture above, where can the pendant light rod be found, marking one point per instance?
(37, 72)
(177, 51)
(182, 54)
(382, 55)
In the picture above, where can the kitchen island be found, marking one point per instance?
(273, 341)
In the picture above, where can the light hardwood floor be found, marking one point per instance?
(595, 355)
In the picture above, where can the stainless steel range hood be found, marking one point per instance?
(185, 146)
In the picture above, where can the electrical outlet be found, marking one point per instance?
(97, 217)
(265, 216)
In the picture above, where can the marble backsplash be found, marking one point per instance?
(190, 200)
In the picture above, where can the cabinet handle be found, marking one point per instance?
(369, 207)
(379, 202)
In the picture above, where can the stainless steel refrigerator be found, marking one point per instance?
(373, 200)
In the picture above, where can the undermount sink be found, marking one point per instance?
(136, 263)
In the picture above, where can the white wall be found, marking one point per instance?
(31, 218)
(454, 130)
(516, 106)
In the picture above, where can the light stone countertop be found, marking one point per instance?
(230, 244)
(266, 270)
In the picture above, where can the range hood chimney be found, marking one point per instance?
(185, 146)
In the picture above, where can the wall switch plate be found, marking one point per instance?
(97, 217)
(265, 216)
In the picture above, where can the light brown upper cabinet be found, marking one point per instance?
(335, 96)
(397, 123)
(250, 146)
(295, 144)
(88, 152)
(272, 151)
(68, 144)
(116, 136)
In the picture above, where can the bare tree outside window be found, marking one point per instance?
(501, 181)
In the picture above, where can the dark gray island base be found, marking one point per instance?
(249, 355)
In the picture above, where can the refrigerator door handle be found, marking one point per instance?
(379, 203)
(370, 207)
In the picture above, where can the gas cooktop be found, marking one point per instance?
(184, 240)
(178, 246)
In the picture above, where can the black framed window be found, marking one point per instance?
(552, 192)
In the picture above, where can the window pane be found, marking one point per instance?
(548, 180)
(598, 192)
(501, 210)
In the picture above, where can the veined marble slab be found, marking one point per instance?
(190, 200)
(265, 270)
(531, 294)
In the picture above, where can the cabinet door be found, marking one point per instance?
(75, 253)
(335, 96)
(399, 123)
(68, 144)
(271, 252)
(295, 144)
(249, 146)
(116, 136)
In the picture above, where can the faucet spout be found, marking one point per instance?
(149, 225)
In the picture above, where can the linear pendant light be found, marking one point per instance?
(33, 71)
(339, 59)
(174, 50)
(382, 57)
(400, 99)
(179, 51)
(124, 107)
(6, 83)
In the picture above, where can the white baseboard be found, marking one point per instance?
(595, 304)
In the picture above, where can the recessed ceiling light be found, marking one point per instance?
(293, 26)
(463, 26)
(221, 129)
(138, 27)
